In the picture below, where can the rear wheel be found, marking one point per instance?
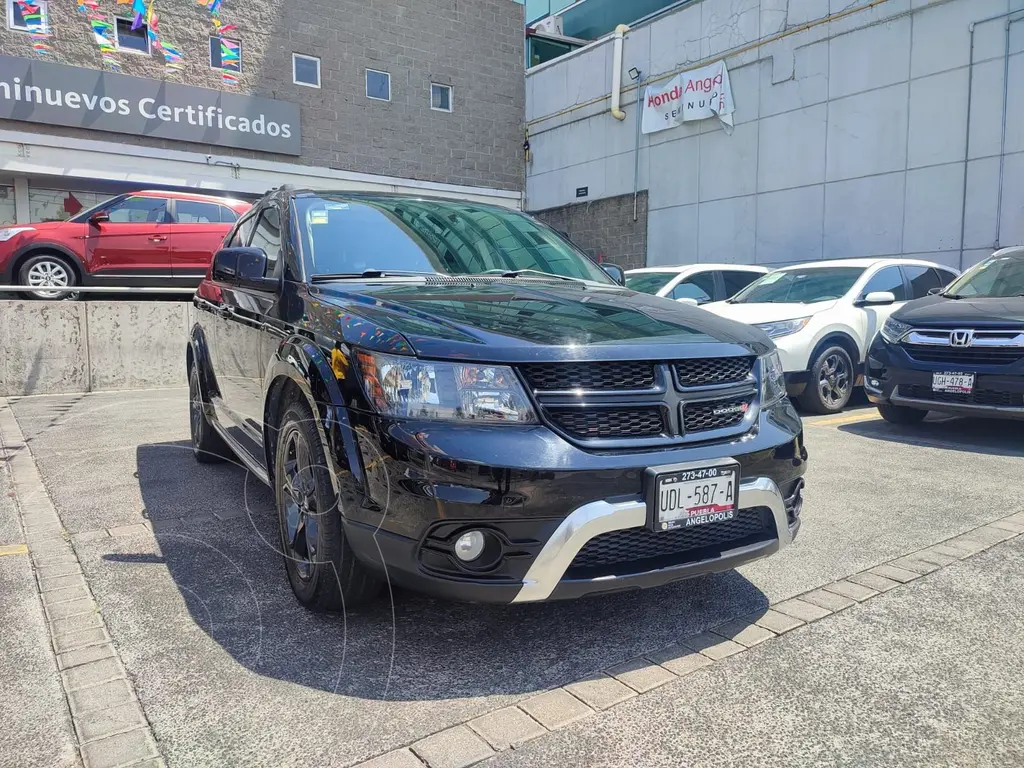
(208, 446)
(45, 272)
(831, 382)
(322, 569)
(900, 414)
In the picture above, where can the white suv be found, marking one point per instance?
(823, 316)
(695, 283)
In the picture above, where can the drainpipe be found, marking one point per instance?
(1002, 137)
(967, 138)
(617, 112)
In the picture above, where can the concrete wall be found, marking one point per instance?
(850, 138)
(605, 228)
(474, 46)
(78, 346)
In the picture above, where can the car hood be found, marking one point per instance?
(47, 226)
(767, 312)
(519, 320)
(940, 312)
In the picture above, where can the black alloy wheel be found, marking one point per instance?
(831, 384)
(207, 445)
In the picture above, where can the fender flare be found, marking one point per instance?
(301, 362)
(843, 339)
(198, 353)
(28, 249)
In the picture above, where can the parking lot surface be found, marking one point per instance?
(181, 560)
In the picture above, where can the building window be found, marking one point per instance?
(128, 39)
(306, 70)
(16, 16)
(378, 85)
(441, 97)
(230, 60)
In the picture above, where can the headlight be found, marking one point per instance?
(8, 232)
(894, 330)
(783, 327)
(773, 379)
(405, 387)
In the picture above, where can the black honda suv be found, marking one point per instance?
(960, 351)
(452, 397)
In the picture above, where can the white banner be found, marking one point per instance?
(694, 95)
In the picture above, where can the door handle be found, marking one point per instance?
(157, 238)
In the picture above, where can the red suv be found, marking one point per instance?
(151, 239)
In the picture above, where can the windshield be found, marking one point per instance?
(998, 277)
(648, 282)
(800, 286)
(349, 235)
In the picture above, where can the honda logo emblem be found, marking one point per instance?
(963, 338)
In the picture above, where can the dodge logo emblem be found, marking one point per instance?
(961, 338)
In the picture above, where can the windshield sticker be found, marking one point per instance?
(336, 206)
(318, 217)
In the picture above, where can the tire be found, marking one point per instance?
(831, 384)
(901, 414)
(208, 447)
(48, 269)
(322, 569)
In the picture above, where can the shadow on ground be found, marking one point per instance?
(987, 436)
(404, 647)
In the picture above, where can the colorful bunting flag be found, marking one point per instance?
(103, 32)
(38, 27)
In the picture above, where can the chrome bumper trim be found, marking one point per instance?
(597, 517)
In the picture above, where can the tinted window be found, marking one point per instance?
(139, 210)
(995, 277)
(350, 235)
(700, 287)
(267, 236)
(192, 212)
(132, 39)
(243, 233)
(922, 280)
(946, 277)
(737, 281)
(801, 285)
(648, 282)
(889, 279)
(227, 215)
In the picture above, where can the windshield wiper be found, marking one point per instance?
(365, 274)
(518, 272)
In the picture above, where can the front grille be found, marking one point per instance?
(977, 397)
(700, 417)
(928, 353)
(639, 544)
(610, 422)
(602, 376)
(711, 371)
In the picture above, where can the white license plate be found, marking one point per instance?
(953, 382)
(699, 496)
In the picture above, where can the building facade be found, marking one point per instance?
(423, 95)
(861, 128)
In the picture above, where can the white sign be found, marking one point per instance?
(694, 95)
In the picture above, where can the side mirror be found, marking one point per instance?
(99, 217)
(243, 267)
(878, 298)
(689, 300)
(615, 272)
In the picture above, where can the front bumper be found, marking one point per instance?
(546, 514)
(893, 377)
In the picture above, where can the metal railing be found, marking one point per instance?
(91, 289)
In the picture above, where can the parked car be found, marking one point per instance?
(700, 283)
(960, 351)
(450, 396)
(823, 316)
(146, 239)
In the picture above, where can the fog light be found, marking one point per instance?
(875, 382)
(469, 546)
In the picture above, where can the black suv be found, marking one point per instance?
(960, 351)
(452, 397)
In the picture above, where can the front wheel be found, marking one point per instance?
(208, 447)
(831, 383)
(322, 569)
(45, 272)
(900, 414)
